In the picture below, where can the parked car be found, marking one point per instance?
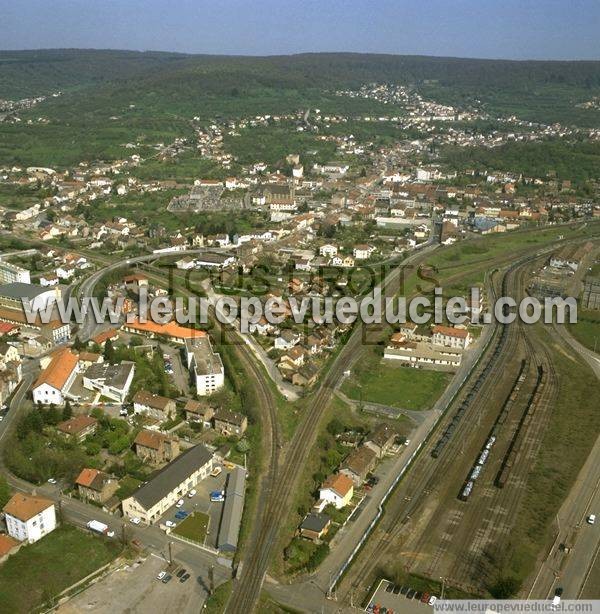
(192, 493)
(170, 524)
(418, 595)
(410, 593)
(216, 472)
(180, 503)
(591, 519)
(217, 496)
(181, 572)
(432, 600)
(184, 578)
(181, 514)
(161, 575)
(135, 520)
(425, 598)
(51, 481)
(166, 579)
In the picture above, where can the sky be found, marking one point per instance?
(511, 29)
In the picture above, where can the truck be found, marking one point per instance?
(100, 527)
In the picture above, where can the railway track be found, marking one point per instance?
(247, 589)
(424, 480)
(477, 524)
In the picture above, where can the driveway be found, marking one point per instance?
(180, 374)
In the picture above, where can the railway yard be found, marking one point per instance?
(450, 520)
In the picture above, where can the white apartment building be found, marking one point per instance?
(55, 380)
(450, 337)
(205, 365)
(11, 273)
(29, 518)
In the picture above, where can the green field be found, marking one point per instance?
(194, 527)
(51, 565)
(377, 381)
(217, 602)
(587, 329)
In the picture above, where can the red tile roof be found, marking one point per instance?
(339, 483)
(450, 331)
(76, 425)
(58, 371)
(7, 543)
(87, 477)
(25, 507)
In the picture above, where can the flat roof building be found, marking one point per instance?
(233, 508)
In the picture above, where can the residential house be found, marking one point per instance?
(229, 422)
(78, 426)
(28, 518)
(305, 376)
(362, 252)
(8, 546)
(56, 379)
(295, 356)
(450, 336)
(287, 339)
(315, 526)
(95, 485)
(153, 405)
(155, 447)
(381, 439)
(328, 250)
(358, 464)
(196, 411)
(10, 370)
(110, 381)
(337, 490)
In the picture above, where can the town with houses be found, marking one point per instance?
(150, 425)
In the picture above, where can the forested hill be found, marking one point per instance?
(28, 73)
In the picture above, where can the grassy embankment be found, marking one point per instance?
(51, 565)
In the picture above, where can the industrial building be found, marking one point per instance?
(233, 509)
(168, 485)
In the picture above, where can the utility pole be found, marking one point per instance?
(211, 579)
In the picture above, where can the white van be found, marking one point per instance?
(591, 519)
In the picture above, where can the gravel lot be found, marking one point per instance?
(134, 589)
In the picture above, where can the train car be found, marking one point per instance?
(483, 457)
(466, 491)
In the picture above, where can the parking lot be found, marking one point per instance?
(134, 588)
(201, 502)
(388, 597)
(174, 367)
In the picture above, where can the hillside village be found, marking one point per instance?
(149, 422)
